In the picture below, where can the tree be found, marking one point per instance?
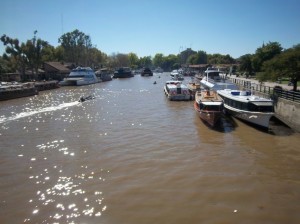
(170, 62)
(246, 64)
(220, 59)
(34, 50)
(17, 51)
(286, 64)
(76, 46)
(146, 61)
(199, 58)
(265, 53)
(133, 60)
(184, 55)
(158, 60)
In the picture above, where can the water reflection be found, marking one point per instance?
(62, 194)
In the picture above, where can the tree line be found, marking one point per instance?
(269, 62)
(272, 62)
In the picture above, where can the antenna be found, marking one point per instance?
(62, 24)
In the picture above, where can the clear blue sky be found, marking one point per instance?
(147, 27)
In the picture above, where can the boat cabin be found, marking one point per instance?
(244, 100)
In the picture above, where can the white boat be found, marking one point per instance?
(80, 76)
(213, 81)
(176, 75)
(175, 90)
(245, 106)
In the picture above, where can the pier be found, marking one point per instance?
(10, 91)
(46, 85)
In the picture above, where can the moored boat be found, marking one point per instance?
(146, 72)
(248, 107)
(175, 90)
(123, 72)
(176, 75)
(104, 74)
(193, 88)
(209, 106)
(212, 80)
(80, 76)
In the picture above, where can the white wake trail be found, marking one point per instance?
(37, 111)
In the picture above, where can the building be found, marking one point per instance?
(56, 70)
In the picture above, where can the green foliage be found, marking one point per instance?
(246, 63)
(77, 47)
(184, 55)
(265, 53)
(133, 60)
(199, 58)
(145, 61)
(170, 62)
(16, 52)
(286, 64)
(158, 60)
(220, 59)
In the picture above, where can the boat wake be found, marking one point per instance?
(37, 111)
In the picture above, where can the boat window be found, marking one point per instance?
(212, 107)
(75, 76)
(179, 90)
(261, 106)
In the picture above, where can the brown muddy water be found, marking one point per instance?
(130, 156)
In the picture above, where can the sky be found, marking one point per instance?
(148, 27)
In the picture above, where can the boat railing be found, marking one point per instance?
(268, 91)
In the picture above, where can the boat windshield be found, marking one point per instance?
(261, 106)
(211, 107)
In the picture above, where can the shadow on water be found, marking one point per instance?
(276, 127)
(226, 124)
(279, 128)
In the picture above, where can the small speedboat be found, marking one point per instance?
(83, 99)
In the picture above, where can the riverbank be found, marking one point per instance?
(13, 90)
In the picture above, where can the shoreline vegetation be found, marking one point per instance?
(269, 63)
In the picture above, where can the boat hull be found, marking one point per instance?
(76, 82)
(256, 118)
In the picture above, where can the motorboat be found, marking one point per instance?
(209, 106)
(158, 70)
(146, 72)
(104, 74)
(212, 80)
(176, 75)
(123, 72)
(193, 88)
(247, 106)
(80, 76)
(83, 99)
(175, 90)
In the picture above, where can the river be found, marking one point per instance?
(131, 156)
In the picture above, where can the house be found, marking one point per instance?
(56, 70)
